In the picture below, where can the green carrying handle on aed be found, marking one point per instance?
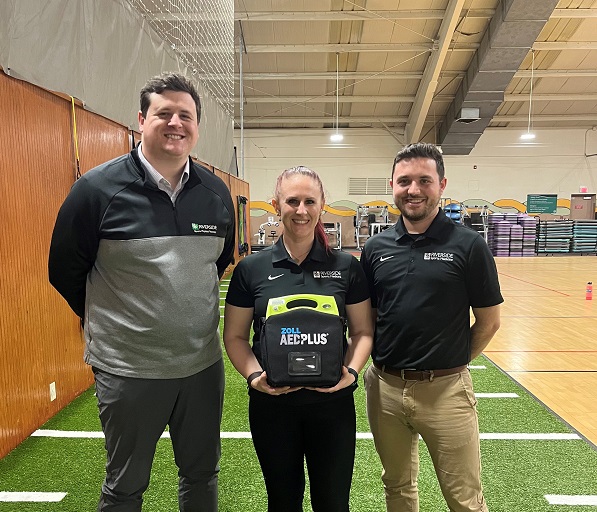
(322, 303)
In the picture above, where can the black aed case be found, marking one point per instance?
(302, 340)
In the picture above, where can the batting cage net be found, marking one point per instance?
(201, 33)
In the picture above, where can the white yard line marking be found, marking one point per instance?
(32, 497)
(530, 437)
(68, 433)
(76, 434)
(235, 435)
(562, 499)
(496, 395)
(507, 436)
(477, 367)
(360, 435)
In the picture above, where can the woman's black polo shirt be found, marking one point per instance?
(423, 287)
(272, 273)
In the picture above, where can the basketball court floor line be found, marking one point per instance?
(552, 371)
(499, 436)
(534, 284)
(32, 497)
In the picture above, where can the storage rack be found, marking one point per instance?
(334, 232)
(455, 211)
(479, 219)
(368, 221)
(584, 237)
(554, 236)
(567, 236)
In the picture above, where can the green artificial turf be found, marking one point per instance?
(81, 414)
(516, 473)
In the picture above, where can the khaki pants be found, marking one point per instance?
(443, 411)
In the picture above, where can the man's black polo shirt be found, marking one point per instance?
(423, 287)
(272, 273)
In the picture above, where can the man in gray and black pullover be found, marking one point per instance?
(137, 251)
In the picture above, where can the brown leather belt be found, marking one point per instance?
(407, 374)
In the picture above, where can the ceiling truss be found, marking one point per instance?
(409, 70)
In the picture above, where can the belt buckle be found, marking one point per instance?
(430, 372)
(406, 370)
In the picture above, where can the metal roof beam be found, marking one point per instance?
(591, 118)
(347, 75)
(393, 75)
(547, 118)
(406, 14)
(556, 73)
(565, 45)
(329, 120)
(341, 99)
(551, 97)
(574, 13)
(508, 98)
(342, 48)
(428, 85)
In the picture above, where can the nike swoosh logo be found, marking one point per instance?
(271, 278)
(386, 258)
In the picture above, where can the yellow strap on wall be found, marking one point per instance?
(75, 138)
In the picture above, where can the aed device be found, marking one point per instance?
(302, 341)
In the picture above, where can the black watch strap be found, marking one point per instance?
(252, 377)
(353, 372)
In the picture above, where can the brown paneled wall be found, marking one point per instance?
(40, 338)
(99, 139)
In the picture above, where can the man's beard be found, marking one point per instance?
(420, 214)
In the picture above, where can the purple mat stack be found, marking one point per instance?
(516, 240)
(511, 234)
(529, 234)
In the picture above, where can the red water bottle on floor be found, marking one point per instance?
(589, 294)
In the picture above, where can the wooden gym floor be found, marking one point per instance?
(548, 336)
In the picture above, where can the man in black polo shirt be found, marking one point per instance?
(425, 275)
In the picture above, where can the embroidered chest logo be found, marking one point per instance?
(210, 229)
(438, 256)
(327, 274)
(384, 258)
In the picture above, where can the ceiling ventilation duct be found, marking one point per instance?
(511, 33)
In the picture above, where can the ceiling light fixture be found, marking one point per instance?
(337, 137)
(529, 135)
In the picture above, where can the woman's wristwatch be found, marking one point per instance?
(355, 373)
(252, 377)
